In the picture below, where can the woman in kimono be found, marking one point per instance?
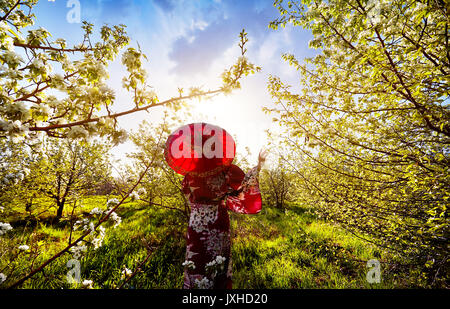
(212, 186)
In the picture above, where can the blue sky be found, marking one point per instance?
(190, 43)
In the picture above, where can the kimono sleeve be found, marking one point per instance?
(247, 199)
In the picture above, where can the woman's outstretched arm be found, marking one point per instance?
(246, 195)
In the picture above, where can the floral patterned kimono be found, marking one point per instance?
(208, 254)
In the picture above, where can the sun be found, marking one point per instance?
(239, 117)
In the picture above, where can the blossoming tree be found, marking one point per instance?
(44, 90)
(370, 126)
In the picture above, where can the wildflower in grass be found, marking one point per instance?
(24, 248)
(87, 284)
(5, 227)
(2, 278)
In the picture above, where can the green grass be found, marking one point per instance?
(273, 249)
(295, 250)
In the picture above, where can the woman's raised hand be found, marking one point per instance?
(261, 158)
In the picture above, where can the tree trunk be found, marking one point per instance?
(279, 204)
(59, 212)
(28, 205)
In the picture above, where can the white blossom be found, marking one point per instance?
(12, 59)
(58, 81)
(112, 202)
(78, 250)
(134, 196)
(43, 110)
(12, 178)
(101, 71)
(5, 227)
(101, 120)
(120, 137)
(2, 278)
(3, 125)
(220, 259)
(216, 262)
(67, 64)
(38, 64)
(189, 264)
(87, 284)
(96, 211)
(84, 223)
(78, 132)
(24, 248)
(205, 283)
(8, 43)
(126, 272)
(130, 58)
(142, 191)
(105, 90)
(98, 241)
(116, 219)
(17, 111)
(59, 41)
(91, 227)
(109, 121)
(4, 27)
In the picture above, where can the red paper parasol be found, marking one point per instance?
(200, 149)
